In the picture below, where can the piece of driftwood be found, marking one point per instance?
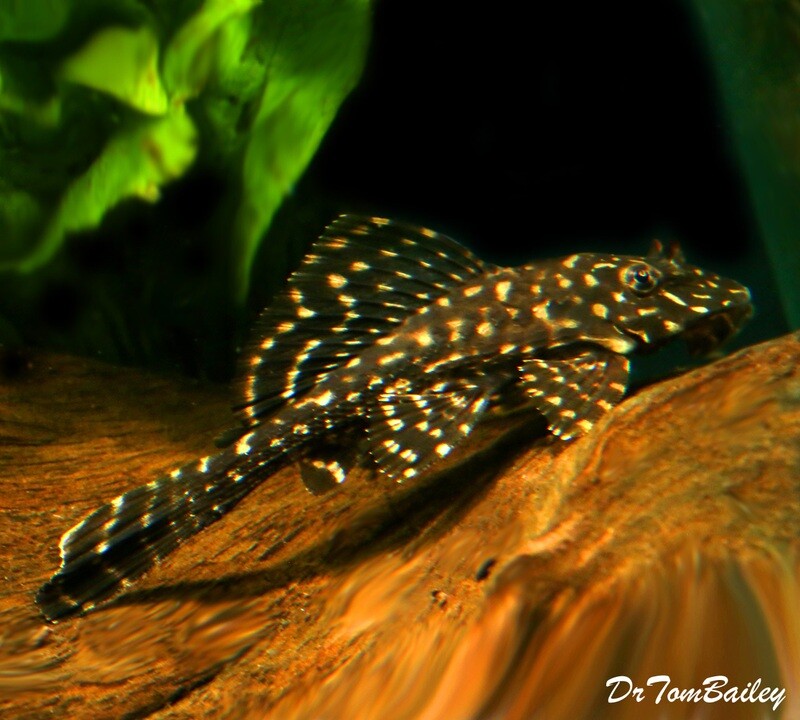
(511, 585)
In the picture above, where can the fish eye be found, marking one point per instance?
(641, 278)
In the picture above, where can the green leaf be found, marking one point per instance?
(136, 163)
(315, 54)
(47, 113)
(123, 63)
(237, 84)
(189, 58)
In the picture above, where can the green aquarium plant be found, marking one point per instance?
(106, 104)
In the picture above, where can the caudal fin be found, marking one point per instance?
(125, 537)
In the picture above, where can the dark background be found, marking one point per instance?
(540, 128)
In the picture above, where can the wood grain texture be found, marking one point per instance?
(512, 583)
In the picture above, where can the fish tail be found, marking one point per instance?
(122, 539)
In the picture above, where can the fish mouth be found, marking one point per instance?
(710, 332)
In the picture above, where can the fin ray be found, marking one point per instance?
(124, 538)
(408, 431)
(574, 393)
(361, 279)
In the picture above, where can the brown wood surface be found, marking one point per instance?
(665, 541)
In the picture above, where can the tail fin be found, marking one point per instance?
(122, 539)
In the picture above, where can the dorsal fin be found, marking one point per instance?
(362, 278)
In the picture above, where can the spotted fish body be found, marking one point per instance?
(404, 332)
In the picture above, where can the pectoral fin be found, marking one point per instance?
(409, 430)
(574, 393)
